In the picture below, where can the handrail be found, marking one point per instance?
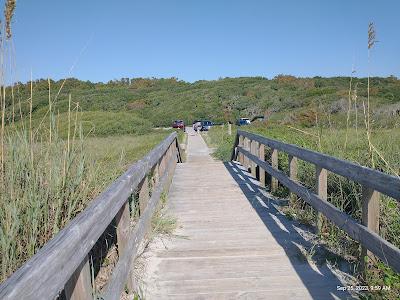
(49, 270)
(384, 183)
(366, 233)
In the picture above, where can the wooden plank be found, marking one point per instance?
(292, 174)
(171, 162)
(122, 269)
(156, 177)
(370, 218)
(261, 156)
(240, 145)
(381, 182)
(143, 194)
(387, 252)
(321, 177)
(234, 155)
(46, 273)
(123, 220)
(79, 286)
(274, 162)
(246, 159)
(253, 151)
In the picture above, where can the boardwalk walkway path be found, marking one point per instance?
(231, 242)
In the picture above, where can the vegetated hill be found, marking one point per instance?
(160, 101)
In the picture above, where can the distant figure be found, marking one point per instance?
(197, 126)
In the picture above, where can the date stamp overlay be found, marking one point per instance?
(360, 288)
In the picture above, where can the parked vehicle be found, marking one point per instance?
(206, 125)
(179, 124)
(243, 121)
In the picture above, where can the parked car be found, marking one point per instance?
(243, 121)
(206, 125)
(179, 124)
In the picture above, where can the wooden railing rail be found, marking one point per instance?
(63, 262)
(372, 182)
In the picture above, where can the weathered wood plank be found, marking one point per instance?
(384, 183)
(253, 151)
(143, 194)
(292, 173)
(387, 252)
(246, 159)
(274, 162)
(261, 156)
(321, 176)
(155, 178)
(123, 220)
(79, 286)
(46, 273)
(240, 145)
(370, 218)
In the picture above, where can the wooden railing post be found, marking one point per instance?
(253, 151)
(122, 220)
(274, 164)
(240, 155)
(322, 191)
(370, 218)
(261, 171)
(143, 194)
(292, 174)
(156, 176)
(246, 159)
(229, 128)
(79, 286)
(170, 156)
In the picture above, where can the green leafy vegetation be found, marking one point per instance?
(160, 101)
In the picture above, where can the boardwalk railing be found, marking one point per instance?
(63, 263)
(249, 150)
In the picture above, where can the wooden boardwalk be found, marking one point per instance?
(231, 242)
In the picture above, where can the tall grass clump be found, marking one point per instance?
(44, 180)
(43, 186)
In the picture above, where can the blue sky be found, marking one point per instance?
(195, 40)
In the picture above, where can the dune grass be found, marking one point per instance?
(45, 184)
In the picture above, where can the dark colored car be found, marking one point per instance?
(178, 124)
(206, 125)
(243, 121)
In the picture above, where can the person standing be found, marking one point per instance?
(198, 127)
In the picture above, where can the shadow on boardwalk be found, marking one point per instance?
(288, 236)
